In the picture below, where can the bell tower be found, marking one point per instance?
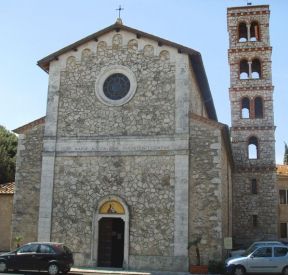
(253, 143)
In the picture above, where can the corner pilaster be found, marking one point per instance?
(48, 159)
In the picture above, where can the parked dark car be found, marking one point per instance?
(51, 257)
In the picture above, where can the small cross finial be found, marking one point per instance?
(119, 10)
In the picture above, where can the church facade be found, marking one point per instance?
(130, 164)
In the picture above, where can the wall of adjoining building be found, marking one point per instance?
(27, 185)
(6, 206)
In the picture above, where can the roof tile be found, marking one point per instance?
(7, 188)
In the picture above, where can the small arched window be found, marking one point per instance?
(242, 32)
(253, 148)
(245, 107)
(254, 31)
(256, 68)
(244, 69)
(258, 107)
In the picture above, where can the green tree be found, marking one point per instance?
(286, 154)
(8, 150)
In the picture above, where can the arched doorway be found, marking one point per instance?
(111, 233)
(111, 242)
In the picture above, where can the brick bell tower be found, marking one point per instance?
(255, 201)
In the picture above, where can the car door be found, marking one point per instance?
(261, 260)
(25, 257)
(280, 258)
(44, 255)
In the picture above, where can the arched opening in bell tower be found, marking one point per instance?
(256, 68)
(242, 32)
(253, 148)
(258, 107)
(244, 69)
(245, 107)
(254, 31)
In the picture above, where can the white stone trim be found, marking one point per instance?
(98, 217)
(53, 99)
(47, 173)
(104, 74)
(182, 91)
(118, 144)
(46, 197)
(181, 205)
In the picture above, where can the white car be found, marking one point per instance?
(252, 247)
(263, 259)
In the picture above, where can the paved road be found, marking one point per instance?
(38, 273)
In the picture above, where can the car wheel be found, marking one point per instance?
(53, 269)
(3, 266)
(239, 270)
(285, 270)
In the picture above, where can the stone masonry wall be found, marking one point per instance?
(206, 195)
(266, 150)
(146, 183)
(27, 184)
(151, 110)
(263, 204)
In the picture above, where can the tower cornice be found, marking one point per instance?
(253, 128)
(254, 49)
(248, 10)
(252, 88)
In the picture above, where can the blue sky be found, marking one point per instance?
(32, 29)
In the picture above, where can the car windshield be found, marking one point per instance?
(249, 250)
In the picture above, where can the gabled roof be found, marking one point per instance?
(195, 58)
(44, 63)
(30, 125)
